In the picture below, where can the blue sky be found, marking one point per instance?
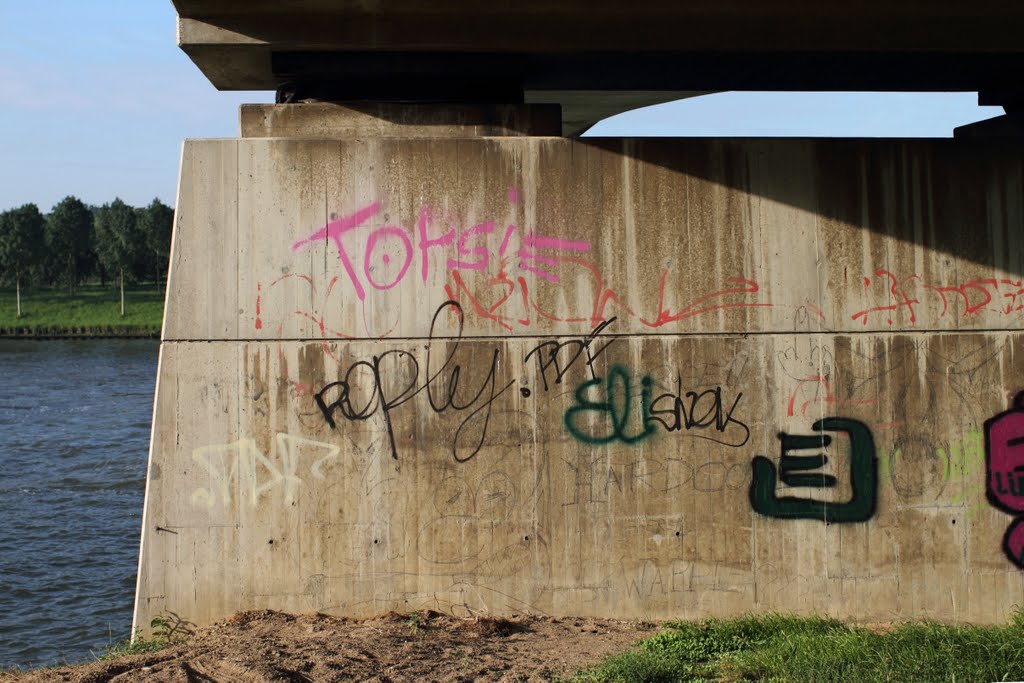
(96, 99)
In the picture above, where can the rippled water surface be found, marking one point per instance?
(74, 433)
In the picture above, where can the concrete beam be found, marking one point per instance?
(570, 45)
(555, 26)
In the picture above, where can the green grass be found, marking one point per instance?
(91, 311)
(776, 649)
(139, 646)
(165, 632)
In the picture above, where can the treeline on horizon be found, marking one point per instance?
(77, 243)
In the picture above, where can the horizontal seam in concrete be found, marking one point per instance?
(653, 335)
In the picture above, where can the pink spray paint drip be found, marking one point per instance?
(426, 243)
(371, 242)
(508, 235)
(334, 231)
(464, 248)
(529, 257)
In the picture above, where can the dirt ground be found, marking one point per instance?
(271, 646)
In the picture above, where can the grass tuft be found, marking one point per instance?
(139, 646)
(165, 633)
(776, 648)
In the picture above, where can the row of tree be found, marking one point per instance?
(76, 243)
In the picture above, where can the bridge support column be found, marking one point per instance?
(420, 358)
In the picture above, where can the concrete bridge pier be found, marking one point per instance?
(438, 356)
(422, 357)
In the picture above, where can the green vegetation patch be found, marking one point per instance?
(92, 310)
(776, 649)
(165, 632)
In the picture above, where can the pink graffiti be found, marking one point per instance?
(371, 242)
(482, 254)
(532, 241)
(334, 231)
(426, 243)
(471, 252)
(504, 243)
(484, 281)
(1004, 470)
(1004, 441)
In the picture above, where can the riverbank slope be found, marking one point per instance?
(271, 646)
(91, 311)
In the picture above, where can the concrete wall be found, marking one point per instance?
(567, 377)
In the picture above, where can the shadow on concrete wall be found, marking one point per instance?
(962, 198)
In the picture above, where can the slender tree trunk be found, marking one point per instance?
(17, 291)
(122, 292)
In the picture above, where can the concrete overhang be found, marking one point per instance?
(645, 50)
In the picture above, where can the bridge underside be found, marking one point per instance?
(584, 55)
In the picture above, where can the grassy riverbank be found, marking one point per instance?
(92, 311)
(774, 649)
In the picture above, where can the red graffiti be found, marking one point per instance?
(901, 300)
(984, 289)
(991, 295)
(259, 298)
(486, 282)
(505, 290)
(705, 304)
(823, 396)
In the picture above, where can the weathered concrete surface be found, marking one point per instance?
(328, 120)
(666, 235)
(636, 323)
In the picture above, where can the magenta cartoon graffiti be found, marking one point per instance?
(1004, 469)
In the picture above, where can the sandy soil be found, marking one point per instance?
(270, 646)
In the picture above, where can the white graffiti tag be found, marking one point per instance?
(241, 469)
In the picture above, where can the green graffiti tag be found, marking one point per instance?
(616, 409)
(959, 467)
(863, 473)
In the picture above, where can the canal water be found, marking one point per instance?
(74, 434)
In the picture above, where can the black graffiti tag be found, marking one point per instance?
(442, 389)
